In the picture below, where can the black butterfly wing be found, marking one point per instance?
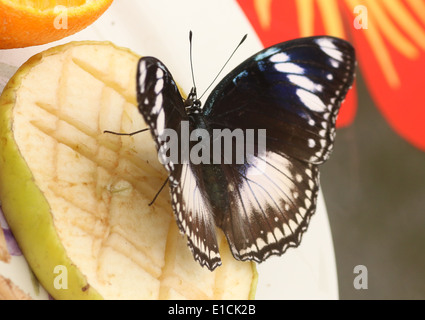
(194, 215)
(272, 200)
(294, 91)
(162, 107)
(158, 98)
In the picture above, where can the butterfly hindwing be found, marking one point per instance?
(193, 214)
(273, 202)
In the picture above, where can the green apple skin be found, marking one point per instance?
(27, 211)
(254, 282)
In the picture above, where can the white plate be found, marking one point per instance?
(160, 28)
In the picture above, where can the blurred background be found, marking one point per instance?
(374, 185)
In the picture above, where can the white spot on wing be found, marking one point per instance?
(286, 230)
(278, 234)
(327, 46)
(159, 73)
(158, 104)
(293, 225)
(270, 238)
(142, 76)
(335, 64)
(299, 218)
(159, 86)
(311, 101)
(266, 53)
(260, 243)
(278, 183)
(289, 67)
(279, 57)
(305, 83)
(160, 122)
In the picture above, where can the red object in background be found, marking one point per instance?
(390, 52)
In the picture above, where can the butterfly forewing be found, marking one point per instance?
(158, 98)
(163, 109)
(293, 89)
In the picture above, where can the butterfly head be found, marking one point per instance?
(192, 103)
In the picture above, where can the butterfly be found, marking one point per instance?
(292, 91)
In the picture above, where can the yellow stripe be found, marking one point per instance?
(331, 17)
(406, 21)
(264, 12)
(305, 12)
(391, 33)
(377, 45)
(418, 6)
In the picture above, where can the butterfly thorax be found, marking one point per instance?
(192, 103)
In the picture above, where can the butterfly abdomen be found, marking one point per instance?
(210, 174)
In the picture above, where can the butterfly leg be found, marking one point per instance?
(157, 194)
(131, 134)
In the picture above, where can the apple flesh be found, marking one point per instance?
(76, 199)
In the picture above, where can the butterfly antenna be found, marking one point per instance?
(191, 61)
(237, 47)
(125, 134)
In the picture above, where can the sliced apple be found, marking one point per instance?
(9, 291)
(76, 199)
(4, 253)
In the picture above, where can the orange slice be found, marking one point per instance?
(34, 22)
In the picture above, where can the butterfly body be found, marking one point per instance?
(264, 193)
